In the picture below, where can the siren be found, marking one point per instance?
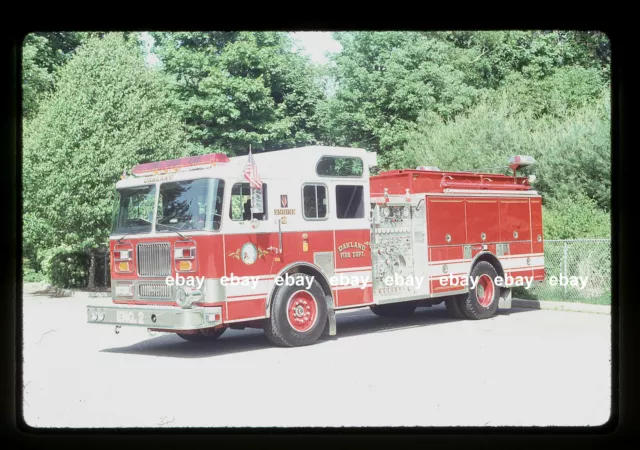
(191, 162)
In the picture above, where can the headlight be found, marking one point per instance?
(94, 316)
(181, 297)
(124, 290)
(100, 316)
(185, 297)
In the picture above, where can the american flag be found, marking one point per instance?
(251, 172)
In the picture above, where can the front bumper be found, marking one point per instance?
(157, 317)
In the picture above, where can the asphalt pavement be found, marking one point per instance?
(522, 367)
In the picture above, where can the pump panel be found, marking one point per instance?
(393, 254)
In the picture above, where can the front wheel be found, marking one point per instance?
(203, 335)
(298, 313)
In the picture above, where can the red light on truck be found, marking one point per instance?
(180, 163)
(184, 255)
(122, 255)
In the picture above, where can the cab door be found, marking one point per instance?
(351, 212)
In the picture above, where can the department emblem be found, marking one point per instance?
(249, 253)
(284, 201)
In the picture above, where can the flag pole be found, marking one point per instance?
(250, 189)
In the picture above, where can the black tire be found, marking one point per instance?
(279, 327)
(203, 335)
(454, 306)
(402, 309)
(475, 305)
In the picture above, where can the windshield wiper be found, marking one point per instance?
(175, 231)
(120, 240)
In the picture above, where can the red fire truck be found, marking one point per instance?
(282, 240)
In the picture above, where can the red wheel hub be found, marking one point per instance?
(302, 311)
(485, 290)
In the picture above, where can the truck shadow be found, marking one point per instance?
(356, 323)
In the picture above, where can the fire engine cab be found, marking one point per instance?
(282, 240)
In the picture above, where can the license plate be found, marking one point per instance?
(130, 317)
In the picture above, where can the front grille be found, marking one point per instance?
(154, 259)
(154, 290)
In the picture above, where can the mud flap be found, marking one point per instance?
(504, 302)
(330, 329)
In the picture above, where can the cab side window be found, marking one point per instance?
(240, 208)
(314, 201)
(349, 202)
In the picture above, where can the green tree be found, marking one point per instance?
(241, 88)
(108, 113)
(493, 56)
(385, 81)
(42, 55)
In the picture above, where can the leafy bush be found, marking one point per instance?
(69, 270)
(29, 275)
(65, 266)
(573, 154)
(574, 216)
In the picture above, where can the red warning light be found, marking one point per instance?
(180, 163)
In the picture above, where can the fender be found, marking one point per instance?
(328, 296)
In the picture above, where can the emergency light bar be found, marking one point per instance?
(191, 162)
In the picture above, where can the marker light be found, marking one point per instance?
(184, 255)
(122, 255)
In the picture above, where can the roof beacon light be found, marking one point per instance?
(516, 162)
(429, 168)
(191, 162)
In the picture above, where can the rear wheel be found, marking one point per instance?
(203, 335)
(298, 315)
(482, 301)
(402, 309)
(454, 306)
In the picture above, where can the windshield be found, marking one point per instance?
(190, 205)
(133, 210)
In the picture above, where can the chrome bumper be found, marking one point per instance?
(161, 317)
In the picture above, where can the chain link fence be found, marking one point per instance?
(577, 270)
